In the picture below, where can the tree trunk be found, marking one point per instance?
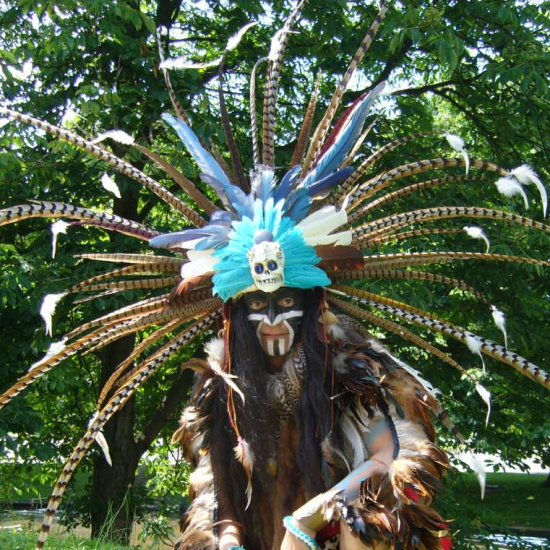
(113, 507)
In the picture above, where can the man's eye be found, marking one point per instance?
(257, 304)
(287, 301)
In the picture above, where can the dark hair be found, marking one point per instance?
(257, 420)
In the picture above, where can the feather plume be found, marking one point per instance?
(509, 187)
(100, 440)
(457, 143)
(316, 227)
(500, 322)
(203, 158)
(262, 182)
(47, 309)
(212, 173)
(474, 345)
(200, 262)
(235, 40)
(54, 349)
(526, 175)
(60, 226)
(476, 464)
(182, 63)
(185, 63)
(485, 394)
(343, 137)
(322, 187)
(109, 184)
(477, 233)
(244, 454)
(283, 189)
(116, 135)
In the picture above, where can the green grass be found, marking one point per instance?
(510, 499)
(26, 541)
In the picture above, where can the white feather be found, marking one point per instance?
(316, 227)
(116, 135)
(474, 345)
(47, 309)
(457, 143)
(60, 226)
(485, 394)
(500, 322)
(477, 465)
(526, 175)
(200, 262)
(101, 441)
(234, 40)
(509, 187)
(109, 184)
(54, 349)
(69, 118)
(477, 233)
(181, 63)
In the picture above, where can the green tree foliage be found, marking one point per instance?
(473, 68)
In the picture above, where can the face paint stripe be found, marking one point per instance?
(279, 319)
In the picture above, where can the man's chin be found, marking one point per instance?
(276, 345)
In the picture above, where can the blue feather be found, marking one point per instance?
(330, 181)
(170, 239)
(343, 143)
(221, 217)
(264, 187)
(286, 183)
(203, 158)
(234, 197)
(298, 204)
(218, 233)
(211, 171)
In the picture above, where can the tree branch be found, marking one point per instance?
(423, 89)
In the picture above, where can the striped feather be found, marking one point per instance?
(112, 160)
(376, 184)
(323, 127)
(253, 120)
(142, 373)
(305, 130)
(276, 56)
(47, 209)
(396, 221)
(421, 318)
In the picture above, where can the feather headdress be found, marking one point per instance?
(314, 225)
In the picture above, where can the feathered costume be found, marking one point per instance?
(340, 398)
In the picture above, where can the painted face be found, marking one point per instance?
(277, 316)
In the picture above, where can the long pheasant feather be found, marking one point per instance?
(423, 319)
(146, 369)
(276, 56)
(323, 127)
(47, 209)
(396, 221)
(112, 160)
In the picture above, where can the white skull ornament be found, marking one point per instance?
(267, 263)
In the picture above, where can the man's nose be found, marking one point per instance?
(272, 310)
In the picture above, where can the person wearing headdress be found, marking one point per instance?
(303, 430)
